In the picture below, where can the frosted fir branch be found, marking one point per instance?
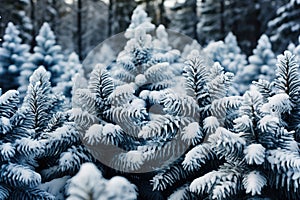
(255, 154)
(83, 119)
(253, 182)
(128, 161)
(225, 189)
(31, 193)
(9, 103)
(37, 100)
(168, 176)
(163, 150)
(153, 97)
(7, 151)
(29, 147)
(198, 156)
(19, 176)
(180, 106)
(196, 78)
(70, 160)
(59, 140)
(278, 105)
(287, 80)
(220, 107)
(219, 86)
(206, 183)
(122, 95)
(269, 123)
(158, 72)
(100, 83)
(108, 134)
(265, 88)
(227, 144)
(252, 102)
(282, 160)
(139, 19)
(210, 124)
(243, 124)
(4, 191)
(192, 134)
(87, 100)
(130, 121)
(162, 126)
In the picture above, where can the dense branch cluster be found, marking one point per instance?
(152, 123)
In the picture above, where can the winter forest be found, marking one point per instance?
(149, 99)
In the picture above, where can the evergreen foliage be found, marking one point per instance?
(71, 68)
(38, 140)
(46, 53)
(256, 150)
(90, 184)
(229, 55)
(18, 153)
(173, 123)
(285, 25)
(13, 55)
(261, 63)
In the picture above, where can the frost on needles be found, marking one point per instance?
(38, 141)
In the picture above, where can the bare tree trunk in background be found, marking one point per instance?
(110, 16)
(194, 8)
(162, 17)
(32, 18)
(79, 25)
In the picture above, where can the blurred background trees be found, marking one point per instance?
(81, 25)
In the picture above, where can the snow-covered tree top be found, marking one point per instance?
(141, 20)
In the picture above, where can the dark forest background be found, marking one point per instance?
(81, 25)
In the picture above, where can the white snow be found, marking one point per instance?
(119, 188)
(55, 187)
(254, 182)
(94, 134)
(267, 122)
(192, 132)
(255, 154)
(210, 124)
(277, 104)
(7, 150)
(4, 99)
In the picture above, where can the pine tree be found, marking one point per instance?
(19, 149)
(229, 55)
(204, 107)
(261, 151)
(285, 25)
(16, 12)
(52, 130)
(13, 55)
(47, 53)
(262, 63)
(71, 68)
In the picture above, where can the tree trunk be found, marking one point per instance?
(110, 16)
(79, 26)
(32, 17)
